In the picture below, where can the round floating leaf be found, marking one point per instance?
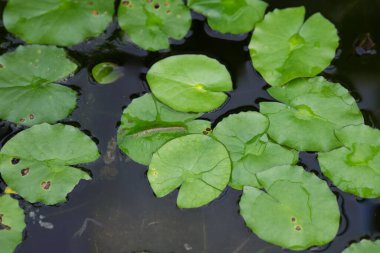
(196, 163)
(284, 48)
(57, 22)
(12, 224)
(150, 24)
(28, 94)
(355, 167)
(106, 72)
(312, 110)
(364, 246)
(226, 16)
(297, 210)
(147, 124)
(244, 136)
(190, 83)
(37, 162)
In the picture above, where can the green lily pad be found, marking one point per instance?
(147, 124)
(313, 109)
(244, 136)
(284, 48)
(190, 83)
(230, 16)
(196, 163)
(57, 22)
(150, 24)
(12, 224)
(296, 211)
(37, 162)
(364, 246)
(355, 167)
(106, 72)
(28, 92)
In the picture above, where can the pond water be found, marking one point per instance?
(117, 212)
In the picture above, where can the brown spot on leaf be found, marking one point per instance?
(31, 116)
(168, 11)
(125, 3)
(205, 132)
(90, 3)
(46, 185)
(208, 129)
(25, 172)
(22, 120)
(15, 161)
(167, 4)
(95, 13)
(1, 66)
(298, 228)
(293, 219)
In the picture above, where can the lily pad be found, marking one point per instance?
(147, 124)
(106, 72)
(190, 83)
(313, 109)
(244, 136)
(150, 24)
(230, 16)
(284, 48)
(12, 224)
(196, 163)
(355, 167)
(37, 162)
(57, 22)
(364, 246)
(296, 211)
(28, 92)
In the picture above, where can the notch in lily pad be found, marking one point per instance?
(354, 166)
(106, 72)
(284, 47)
(190, 83)
(29, 89)
(251, 151)
(288, 211)
(364, 246)
(12, 223)
(311, 110)
(226, 16)
(151, 24)
(197, 164)
(46, 155)
(70, 21)
(147, 124)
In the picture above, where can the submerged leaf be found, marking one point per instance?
(297, 210)
(150, 24)
(284, 48)
(355, 167)
(57, 22)
(12, 224)
(312, 110)
(28, 92)
(190, 83)
(244, 136)
(196, 163)
(147, 124)
(37, 162)
(364, 246)
(106, 72)
(226, 16)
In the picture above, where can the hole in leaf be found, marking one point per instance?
(15, 161)
(2, 226)
(46, 185)
(25, 172)
(157, 6)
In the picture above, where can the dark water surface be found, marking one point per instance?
(117, 212)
